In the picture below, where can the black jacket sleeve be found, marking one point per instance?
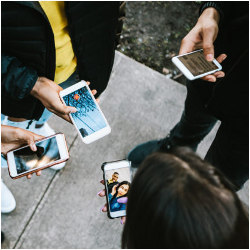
(17, 79)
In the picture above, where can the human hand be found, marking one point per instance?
(203, 36)
(13, 137)
(120, 200)
(47, 92)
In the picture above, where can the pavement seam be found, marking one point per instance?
(40, 201)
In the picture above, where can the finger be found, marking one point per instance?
(29, 176)
(88, 82)
(33, 146)
(219, 74)
(67, 110)
(97, 100)
(123, 220)
(208, 39)
(102, 181)
(221, 58)
(104, 208)
(30, 138)
(101, 193)
(65, 117)
(39, 173)
(209, 78)
(186, 46)
(94, 91)
(123, 200)
(61, 109)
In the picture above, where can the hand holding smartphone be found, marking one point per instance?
(89, 120)
(194, 65)
(50, 151)
(117, 180)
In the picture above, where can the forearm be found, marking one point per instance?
(17, 79)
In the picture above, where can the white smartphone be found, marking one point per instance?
(51, 150)
(117, 177)
(89, 120)
(194, 65)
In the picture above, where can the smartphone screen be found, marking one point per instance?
(26, 159)
(118, 184)
(88, 118)
(197, 64)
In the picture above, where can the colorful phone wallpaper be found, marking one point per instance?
(118, 184)
(88, 118)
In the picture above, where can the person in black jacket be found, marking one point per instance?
(29, 53)
(34, 38)
(207, 101)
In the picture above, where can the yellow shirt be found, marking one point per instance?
(65, 57)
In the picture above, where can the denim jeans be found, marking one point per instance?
(229, 151)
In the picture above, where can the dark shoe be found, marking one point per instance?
(141, 151)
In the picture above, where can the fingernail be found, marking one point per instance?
(102, 209)
(220, 76)
(33, 146)
(99, 192)
(209, 57)
(73, 110)
(121, 221)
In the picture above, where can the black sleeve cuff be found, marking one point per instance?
(215, 5)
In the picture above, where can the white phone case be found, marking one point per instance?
(97, 134)
(187, 72)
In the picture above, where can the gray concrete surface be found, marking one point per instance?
(62, 209)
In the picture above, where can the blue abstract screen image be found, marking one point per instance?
(88, 118)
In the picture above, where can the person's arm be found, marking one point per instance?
(19, 81)
(13, 137)
(110, 196)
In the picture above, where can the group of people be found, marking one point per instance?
(177, 199)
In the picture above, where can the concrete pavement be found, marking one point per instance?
(62, 209)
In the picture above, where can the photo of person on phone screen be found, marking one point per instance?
(113, 181)
(118, 191)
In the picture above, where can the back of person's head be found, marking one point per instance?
(177, 200)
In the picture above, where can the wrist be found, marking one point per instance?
(35, 90)
(211, 13)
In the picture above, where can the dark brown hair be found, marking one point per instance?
(178, 200)
(116, 192)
